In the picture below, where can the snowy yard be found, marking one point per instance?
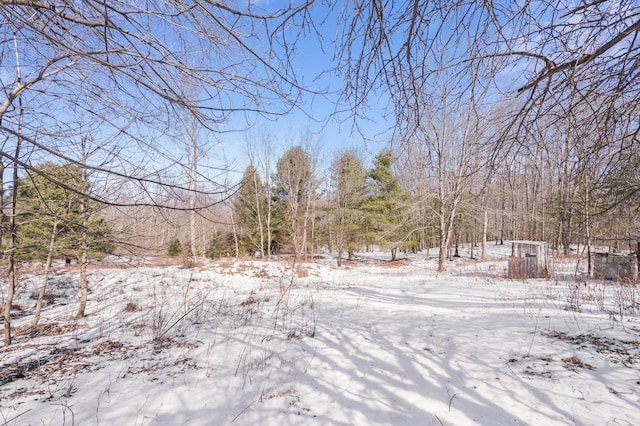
(375, 342)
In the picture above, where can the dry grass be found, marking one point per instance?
(15, 308)
(49, 330)
(131, 307)
(394, 263)
(574, 364)
(168, 260)
(302, 272)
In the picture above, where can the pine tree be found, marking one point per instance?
(175, 248)
(250, 212)
(384, 205)
(52, 205)
(295, 192)
(51, 209)
(220, 244)
(348, 179)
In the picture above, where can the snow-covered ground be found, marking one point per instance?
(372, 343)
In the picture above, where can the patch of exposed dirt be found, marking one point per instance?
(22, 369)
(47, 330)
(548, 367)
(574, 364)
(626, 352)
(394, 263)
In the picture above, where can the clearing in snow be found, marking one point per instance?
(371, 343)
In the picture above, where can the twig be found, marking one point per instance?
(534, 332)
(244, 409)
(13, 418)
(438, 419)
(451, 397)
(167, 329)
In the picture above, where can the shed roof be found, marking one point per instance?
(533, 243)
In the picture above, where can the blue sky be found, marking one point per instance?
(317, 116)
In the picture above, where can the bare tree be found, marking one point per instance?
(263, 157)
(126, 64)
(194, 146)
(549, 62)
(11, 282)
(84, 246)
(123, 63)
(449, 164)
(262, 197)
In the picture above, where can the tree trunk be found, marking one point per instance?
(485, 225)
(84, 284)
(340, 237)
(10, 293)
(2, 216)
(267, 181)
(442, 239)
(312, 248)
(12, 254)
(12, 229)
(587, 220)
(45, 274)
(235, 237)
(84, 249)
(259, 212)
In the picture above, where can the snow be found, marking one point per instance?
(372, 343)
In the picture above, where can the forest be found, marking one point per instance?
(502, 121)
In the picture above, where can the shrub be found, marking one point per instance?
(175, 248)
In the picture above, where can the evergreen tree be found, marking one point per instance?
(220, 244)
(295, 192)
(384, 205)
(250, 212)
(50, 209)
(348, 181)
(175, 248)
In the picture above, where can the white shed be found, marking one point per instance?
(528, 259)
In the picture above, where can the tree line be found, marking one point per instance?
(401, 203)
(345, 209)
(358, 209)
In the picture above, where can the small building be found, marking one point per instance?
(615, 267)
(528, 259)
